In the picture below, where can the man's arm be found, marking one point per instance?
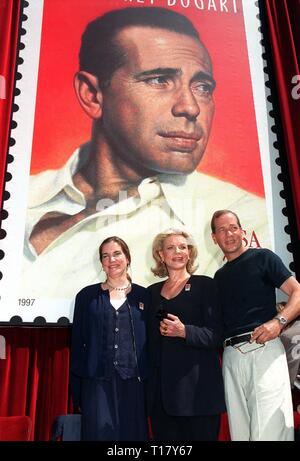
(273, 328)
(292, 308)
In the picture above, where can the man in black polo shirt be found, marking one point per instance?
(257, 387)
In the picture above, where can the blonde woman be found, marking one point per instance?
(185, 392)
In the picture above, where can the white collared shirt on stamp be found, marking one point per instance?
(71, 261)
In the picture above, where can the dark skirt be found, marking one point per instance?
(166, 427)
(113, 410)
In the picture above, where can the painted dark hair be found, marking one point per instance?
(101, 55)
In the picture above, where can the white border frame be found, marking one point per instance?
(16, 206)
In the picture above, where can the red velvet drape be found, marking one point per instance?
(284, 27)
(9, 29)
(34, 376)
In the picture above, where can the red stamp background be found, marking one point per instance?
(61, 126)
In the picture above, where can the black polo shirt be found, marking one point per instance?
(247, 289)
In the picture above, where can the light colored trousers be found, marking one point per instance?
(258, 394)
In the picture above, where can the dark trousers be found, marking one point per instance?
(183, 428)
(113, 409)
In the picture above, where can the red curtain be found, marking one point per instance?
(9, 31)
(34, 376)
(284, 28)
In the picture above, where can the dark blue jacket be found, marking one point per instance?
(189, 369)
(88, 333)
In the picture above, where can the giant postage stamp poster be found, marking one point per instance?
(134, 116)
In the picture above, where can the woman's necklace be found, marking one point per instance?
(118, 288)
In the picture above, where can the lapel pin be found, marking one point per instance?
(141, 306)
(187, 287)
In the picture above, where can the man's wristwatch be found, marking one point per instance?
(282, 320)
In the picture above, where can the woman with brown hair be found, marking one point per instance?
(108, 353)
(185, 391)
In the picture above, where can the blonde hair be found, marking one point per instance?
(160, 269)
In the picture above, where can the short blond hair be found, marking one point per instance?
(160, 269)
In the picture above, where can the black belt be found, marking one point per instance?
(237, 339)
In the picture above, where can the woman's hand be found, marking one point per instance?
(172, 326)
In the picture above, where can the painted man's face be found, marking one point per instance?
(158, 108)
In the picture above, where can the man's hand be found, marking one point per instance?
(172, 326)
(266, 331)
